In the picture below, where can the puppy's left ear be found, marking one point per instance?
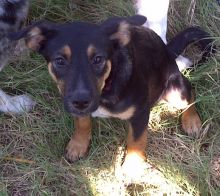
(118, 28)
(36, 35)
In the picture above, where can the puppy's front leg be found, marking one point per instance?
(79, 142)
(134, 163)
(136, 145)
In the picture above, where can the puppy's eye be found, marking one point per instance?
(97, 60)
(60, 61)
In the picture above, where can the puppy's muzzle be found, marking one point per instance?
(79, 103)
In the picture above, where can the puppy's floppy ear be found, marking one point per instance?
(117, 28)
(35, 35)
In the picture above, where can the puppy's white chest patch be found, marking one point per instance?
(101, 112)
(104, 113)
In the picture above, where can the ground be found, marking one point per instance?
(32, 145)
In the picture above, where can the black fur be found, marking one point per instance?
(192, 35)
(175, 47)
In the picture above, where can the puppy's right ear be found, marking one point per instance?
(35, 35)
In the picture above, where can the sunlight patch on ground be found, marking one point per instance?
(109, 181)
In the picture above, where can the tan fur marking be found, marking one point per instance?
(126, 114)
(191, 122)
(60, 83)
(136, 146)
(66, 51)
(134, 164)
(51, 72)
(34, 38)
(90, 51)
(102, 112)
(123, 34)
(101, 82)
(78, 145)
(60, 86)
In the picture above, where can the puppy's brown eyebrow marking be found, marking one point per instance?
(67, 52)
(91, 50)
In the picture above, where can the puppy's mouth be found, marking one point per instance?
(109, 96)
(108, 83)
(80, 112)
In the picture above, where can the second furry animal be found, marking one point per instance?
(13, 13)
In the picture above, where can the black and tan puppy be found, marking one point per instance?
(115, 69)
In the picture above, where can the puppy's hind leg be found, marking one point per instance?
(15, 104)
(179, 94)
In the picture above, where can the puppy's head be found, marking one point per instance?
(79, 56)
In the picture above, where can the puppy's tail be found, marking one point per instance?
(192, 35)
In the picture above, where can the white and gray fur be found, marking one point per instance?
(156, 13)
(13, 14)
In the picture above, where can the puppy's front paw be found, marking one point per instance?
(133, 168)
(191, 123)
(76, 149)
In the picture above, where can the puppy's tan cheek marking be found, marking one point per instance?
(34, 39)
(123, 34)
(59, 83)
(101, 82)
(51, 72)
(60, 86)
(67, 52)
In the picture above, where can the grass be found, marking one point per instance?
(32, 145)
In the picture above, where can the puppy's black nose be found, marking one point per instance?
(81, 100)
(80, 105)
